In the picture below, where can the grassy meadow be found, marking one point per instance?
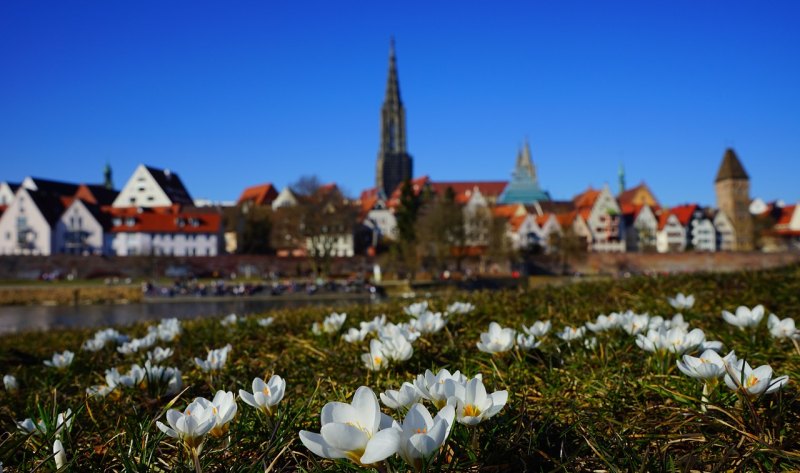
(604, 406)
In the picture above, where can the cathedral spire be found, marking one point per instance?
(392, 83)
(394, 163)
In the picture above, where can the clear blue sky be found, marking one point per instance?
(230, 94)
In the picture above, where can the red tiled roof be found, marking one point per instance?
(164, 220)
(505, 211)
(586, 199)
(464, 189)
(628, 196)
(684, 213)
(541, 220)
(566, 219)
(262, 194)
(517, 222)
(786, 215)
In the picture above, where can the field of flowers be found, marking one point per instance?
(680, 373)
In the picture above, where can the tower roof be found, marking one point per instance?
(731, 167)
(392, 83)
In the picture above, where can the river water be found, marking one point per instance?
(25, 318)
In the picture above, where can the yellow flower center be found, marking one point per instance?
(214, 410)
(265, 390)
(377, 360)
(751, 380)
(188, 412)
(471, 410)
(422, 431)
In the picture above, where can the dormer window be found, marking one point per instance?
(116, 221)
(180, 222)
(130, 221)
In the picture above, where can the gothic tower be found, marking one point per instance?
(733, 197)
(394, 165)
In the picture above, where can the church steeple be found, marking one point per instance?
(107, 180)
(394, 163)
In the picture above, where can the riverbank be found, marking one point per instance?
(69, 294)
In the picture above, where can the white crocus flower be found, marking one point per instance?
(376, 359)
(391, 330)
(539, 328)
(674, 340)
(265, 396)
(497, 339)
(167, 330)
(472, 404)
(215, 360)
(60, 361)
(59, 454)
(266, 322)
(421, 435)
(707, 367)
(460, 308)
(189, 426)
(10, 383)
(752, 382)
(133, 346)
(330, 325)
(681, 301)
(374, 325)
(229, 320)
(569, 334)
(782, 328)
(158, 354)
(633, 323)
(744, 317)
(603, 323)
(355, 335)
(404, 398)
(63, 421)
(29, 427)
(396, 348)
(527, 342)
(433, 386)
(429, 322)
(357, 431)
(416, 309)
(223, 410)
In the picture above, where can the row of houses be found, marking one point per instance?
(153, 214)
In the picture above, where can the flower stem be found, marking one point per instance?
(196, 460)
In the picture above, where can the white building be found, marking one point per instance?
(26, 227)
(641, 229)
(286, 198)
(602, 214)
(83, 230)
(166, 232)
(702, 233)
(150, 187)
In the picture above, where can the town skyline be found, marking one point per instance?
(469, 104)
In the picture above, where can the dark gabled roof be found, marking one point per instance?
(13, 186)
(172, 186)
(49, 204)
(102, 194)
(556, 206)
(65, 189)
(731, 167)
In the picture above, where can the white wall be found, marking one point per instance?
(142, 190)
(78, 218)
(166, 244)
(39, 240)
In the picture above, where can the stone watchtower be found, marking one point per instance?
(394, 165)
(733, 197)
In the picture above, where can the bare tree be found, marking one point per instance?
(321, 223)
(568, 246)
